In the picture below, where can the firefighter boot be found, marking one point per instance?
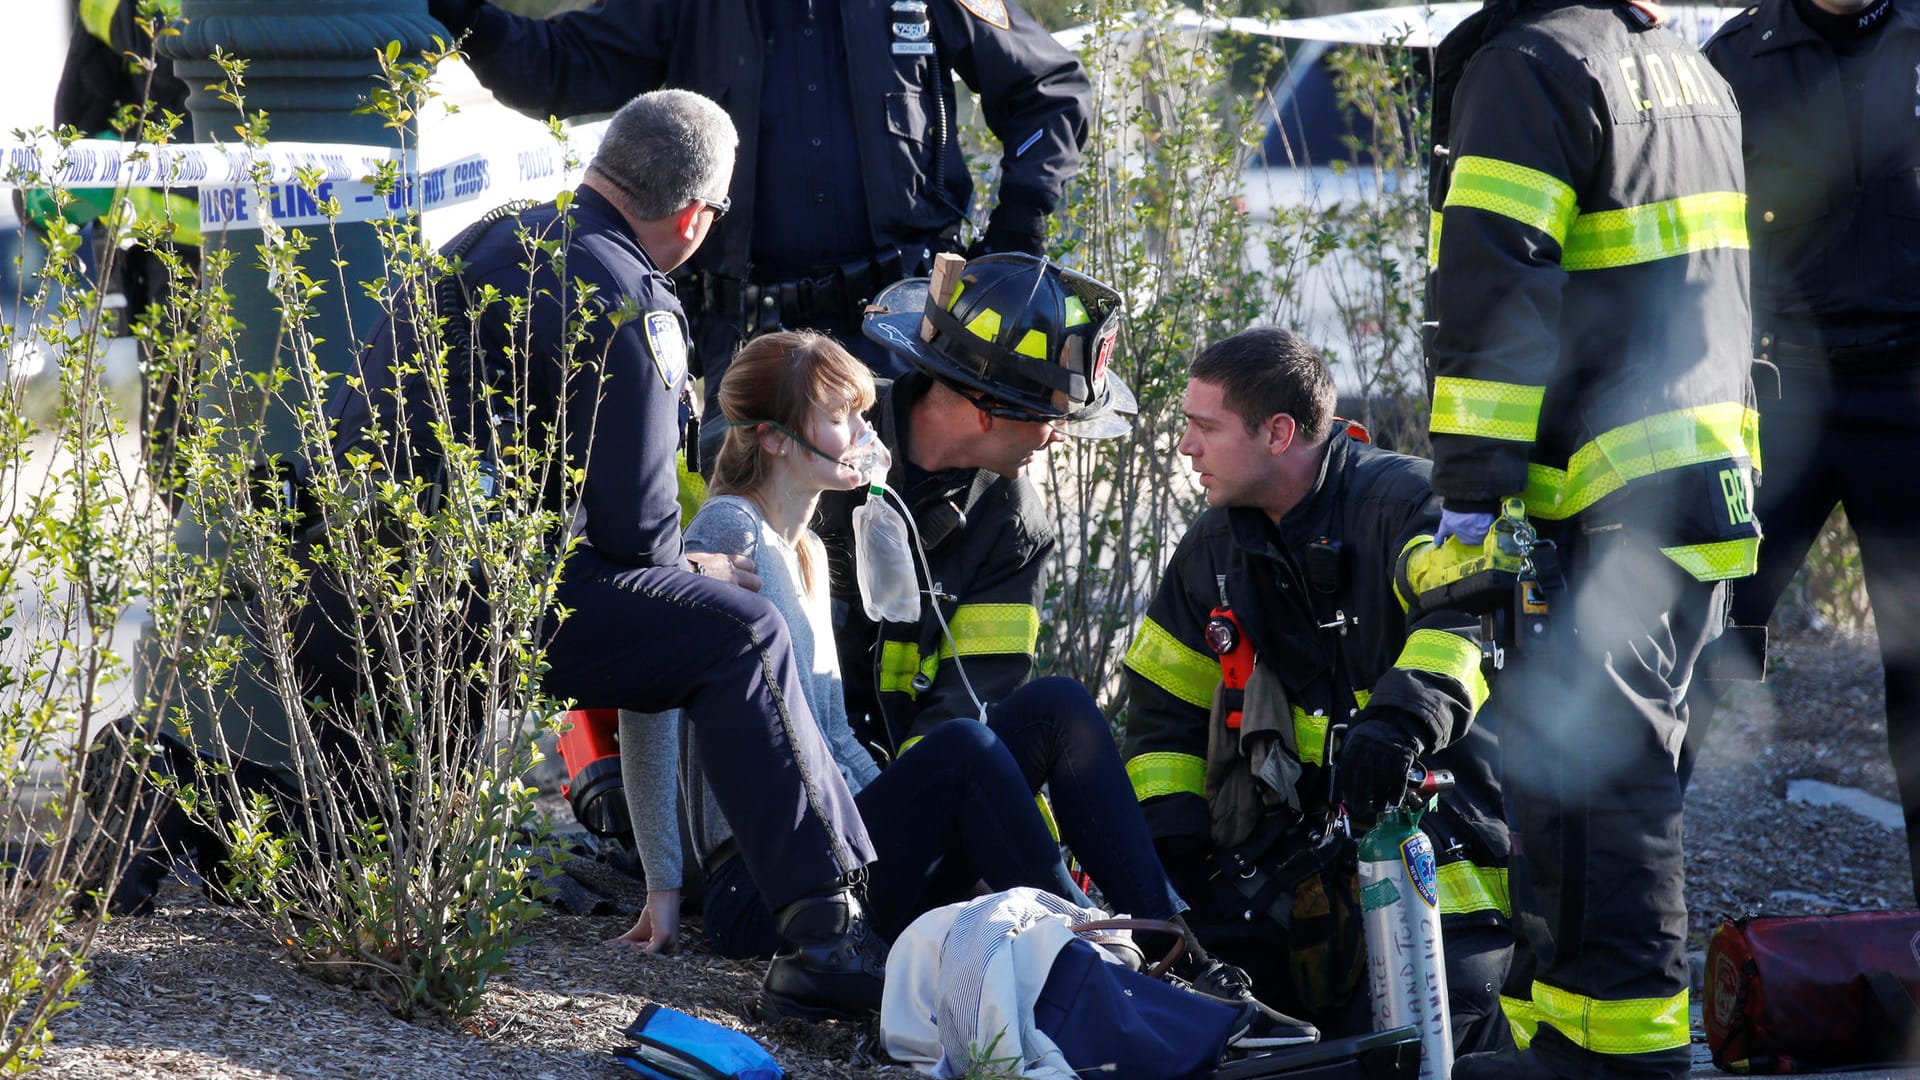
(831, 965)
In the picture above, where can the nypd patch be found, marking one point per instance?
(993, 12)
(668, 346)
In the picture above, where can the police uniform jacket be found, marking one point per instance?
(1590, 281)
(988, 540)
(1834, 218)
(1033, 91)
(1366, 507)
(617, 390)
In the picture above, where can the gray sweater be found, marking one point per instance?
(653, 745)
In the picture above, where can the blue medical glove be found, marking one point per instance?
(1470, 528)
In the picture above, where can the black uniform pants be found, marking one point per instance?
(1591, 727)
(657, 638)
(1853, 438)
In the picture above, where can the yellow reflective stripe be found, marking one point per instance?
(1423, 538)
(1631, 1026)
(1446, 654)
(1434, 218)
(985, 325)
(1466, 888)
(1046, 815)
(1361, 697)
(1522, 1018)
(1528, 196)
(1723, 561)
(1488, 410)
(899, 663)
(1166, 661)
(1154, 775)
(1310, 735)
(178, 212)
(1034, 345)
(97, 17)
(908, 745)
(1641, 234)
(986, 629)
(1076, 314)
(1668, 440)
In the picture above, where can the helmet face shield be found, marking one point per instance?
(1021, 336)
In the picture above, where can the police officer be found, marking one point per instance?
(1291, 572)
(1831, 117)
(650, 626)
(1590, 359)
(850, 173)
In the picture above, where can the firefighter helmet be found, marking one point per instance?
(1021, 336)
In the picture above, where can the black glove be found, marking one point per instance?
(1371, 765)
(1014, 226)
(458, 16)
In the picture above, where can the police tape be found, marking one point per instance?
(302, 184)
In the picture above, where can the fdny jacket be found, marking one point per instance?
(1835, 220)
(1330, 624)
(988, 540)
(566, 363)
(901, 56)
(1590, 282)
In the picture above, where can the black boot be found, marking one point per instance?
(831, 965)
(1262, 1027)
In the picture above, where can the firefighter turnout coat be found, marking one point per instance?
(988, 540)
(1591, 354)
(1589, 281)
(1316, 598)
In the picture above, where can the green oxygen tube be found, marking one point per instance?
(1406, 961)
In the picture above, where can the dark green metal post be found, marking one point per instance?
(310, 65)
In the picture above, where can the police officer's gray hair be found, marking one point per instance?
(665, 149)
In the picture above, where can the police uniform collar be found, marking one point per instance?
(1777, 26)
(587, 199)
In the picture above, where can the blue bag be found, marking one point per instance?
(1121, 1025)
(675, 1046)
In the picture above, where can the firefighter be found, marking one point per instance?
(1290, 574)
(650, 626)
(1590, 357)
(961, 428)
(1831, 113)
(851, 174)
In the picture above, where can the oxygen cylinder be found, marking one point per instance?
(1406, 963)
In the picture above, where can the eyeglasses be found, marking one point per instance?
(719, 208)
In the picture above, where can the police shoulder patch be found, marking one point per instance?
(992, 12)
(669, 347)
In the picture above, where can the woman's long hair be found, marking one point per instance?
(779, 378)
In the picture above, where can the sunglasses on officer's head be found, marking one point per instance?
(719, 208)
